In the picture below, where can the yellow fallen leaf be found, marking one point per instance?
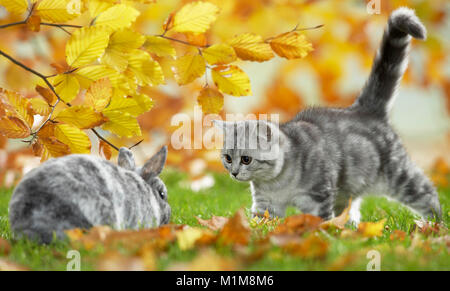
(372, 229)
(187, 237)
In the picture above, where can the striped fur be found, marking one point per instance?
(331, 154)
(80, 191)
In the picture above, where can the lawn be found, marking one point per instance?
(224, 199)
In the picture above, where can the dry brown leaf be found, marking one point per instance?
(430, 228)
(398, 235)
(5, 247)
(215, 223)
(339, 221)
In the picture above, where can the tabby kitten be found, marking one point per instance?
(324, 156)
(81, 191)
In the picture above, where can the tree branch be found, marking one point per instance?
(50, 86)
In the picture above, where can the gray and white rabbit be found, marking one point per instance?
(81, 191)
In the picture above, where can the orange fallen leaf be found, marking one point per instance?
(207, 260)
(236, 231)
(398, 235)
(312, 247)
(298, 224)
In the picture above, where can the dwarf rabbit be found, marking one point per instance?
(80, 191)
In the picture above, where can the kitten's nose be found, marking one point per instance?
(235, 174)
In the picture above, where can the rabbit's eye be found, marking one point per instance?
(162, 194)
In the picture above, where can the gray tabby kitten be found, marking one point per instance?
(80, 191)
(324, 156)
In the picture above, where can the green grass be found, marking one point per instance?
(224, 199)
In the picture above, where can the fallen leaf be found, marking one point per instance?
(6, 265)
(5, 247)
(372, 229)
(339, 221)
(312, 247)
(298, 224)
(236, 230)
(215, 223)
(115, 261)
(398, 235)
(207, 260)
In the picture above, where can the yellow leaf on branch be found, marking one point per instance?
(195, 17)
(117, 16)
(15, 6)
(81, 116)
(210, 100)
(58, 10)
(231, 80)
(219, 54)
(251, 47)
(95, 7)
(188, 68)
(67, 87)
(75, 138)
(146, 70)
(291, 45)
(99, 94)
(121, 103)
(159, 46)
(120, 43)
(21, 106)
(122, 124)
(40, 106)
(13, 127)
(90, 74)
(86, 45)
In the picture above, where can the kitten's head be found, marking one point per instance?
(150, 173)
(252, 150)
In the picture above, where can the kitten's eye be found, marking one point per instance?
(228, 159)
(246, 160)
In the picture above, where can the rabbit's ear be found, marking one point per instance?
(155, 165)
(125, 159)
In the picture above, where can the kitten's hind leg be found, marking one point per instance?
(410, 186)
(318, 201)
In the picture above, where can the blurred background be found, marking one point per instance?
(331, 75)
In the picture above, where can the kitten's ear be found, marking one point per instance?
(155, 165)
(125, 159)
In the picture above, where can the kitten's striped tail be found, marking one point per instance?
(390, 62)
